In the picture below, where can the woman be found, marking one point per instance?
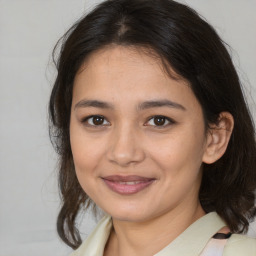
(149, 119)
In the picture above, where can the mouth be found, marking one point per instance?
(127, 185)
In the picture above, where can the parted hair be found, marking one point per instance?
(192, 48)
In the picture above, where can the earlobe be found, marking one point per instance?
(218, 137)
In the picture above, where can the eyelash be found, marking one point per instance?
(86, 120)
(166, 119)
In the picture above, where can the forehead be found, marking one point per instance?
(116, 61)
(120, 73)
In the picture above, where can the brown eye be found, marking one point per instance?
(96, 121)
(159, 120)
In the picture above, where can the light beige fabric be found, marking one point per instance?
(240, 245)
(190, 243)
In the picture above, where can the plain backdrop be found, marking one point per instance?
(29, 29)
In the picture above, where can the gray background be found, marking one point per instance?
(29, 29)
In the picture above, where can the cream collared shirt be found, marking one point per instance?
(190, 243)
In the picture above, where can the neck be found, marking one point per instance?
(135, 238)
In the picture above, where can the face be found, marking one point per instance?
(137, 136)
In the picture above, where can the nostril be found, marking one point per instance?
(126, 151)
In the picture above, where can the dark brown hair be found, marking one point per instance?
(181, 38)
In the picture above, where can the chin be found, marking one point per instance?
(127, 214)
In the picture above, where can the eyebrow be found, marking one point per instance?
(160, 103)
(142, 106)
(93, 103)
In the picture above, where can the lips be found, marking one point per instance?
(127, 185)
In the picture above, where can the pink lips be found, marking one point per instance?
(127, 185)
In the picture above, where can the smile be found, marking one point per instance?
(127, 185)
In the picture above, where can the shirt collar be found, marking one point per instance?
(94, 245)
(193, 240)
(190, 243)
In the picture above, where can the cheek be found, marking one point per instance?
(86, 156)
(85, 150)
(179, 154)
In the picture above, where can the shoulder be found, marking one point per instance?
(239, 245)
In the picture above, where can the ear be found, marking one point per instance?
(218, 137)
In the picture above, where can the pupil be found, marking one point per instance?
(159, 120)
(97, 120)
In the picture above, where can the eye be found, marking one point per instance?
(159, 121)
(95, 120)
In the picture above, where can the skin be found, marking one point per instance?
(129, 141)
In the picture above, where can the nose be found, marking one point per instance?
(125, 147)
